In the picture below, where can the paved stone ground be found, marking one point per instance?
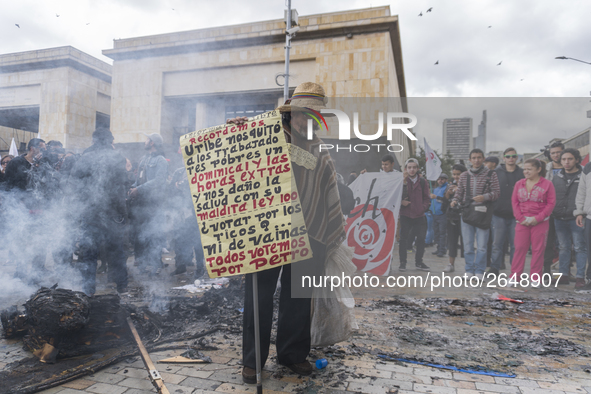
(363, 373)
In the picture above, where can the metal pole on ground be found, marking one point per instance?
(257, 333)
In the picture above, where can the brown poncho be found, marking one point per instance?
(318, 192)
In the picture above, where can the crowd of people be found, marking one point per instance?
(495, 210)
(98, 204)
(95, 205)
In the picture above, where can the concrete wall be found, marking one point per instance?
(65, 83)
(205, 65)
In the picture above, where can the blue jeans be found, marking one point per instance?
(475, 261)
(440, 228)
(504, 230)
(568, 234)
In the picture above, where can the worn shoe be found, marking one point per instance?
(480, 277)
(584, 289)
(580, 282)
(422, 267)
(181, 269)
(562, 281)
(122, 290)
(402, 267)
(249, 375)
(492, 272)
(436, 252)
(450, 268)
(304, 368)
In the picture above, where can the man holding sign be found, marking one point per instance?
(315, 178)
(266, 197)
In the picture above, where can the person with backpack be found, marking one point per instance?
(477, 189)
(413, 222)
(533, 200)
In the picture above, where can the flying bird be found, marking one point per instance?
(88, 24)
(489, 27)
(421, 14)
(429, 10)
(57, 16)
(521, 79)
(16, 24)
(500, 63)
(436, 63)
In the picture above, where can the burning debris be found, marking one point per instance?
(81, 334)
(66, 323)
(54, 316)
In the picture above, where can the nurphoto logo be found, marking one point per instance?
(394, 121)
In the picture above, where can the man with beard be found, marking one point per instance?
(97, 200)
(316, 181)
(147, 195)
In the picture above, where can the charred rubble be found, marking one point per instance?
(74, 335)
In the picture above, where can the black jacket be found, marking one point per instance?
(347, 198)
(507, 180)
(17, 173)
(566, 194)
(98, 184)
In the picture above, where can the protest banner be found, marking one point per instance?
(371, 225)
(244, 196)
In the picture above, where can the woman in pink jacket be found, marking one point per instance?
(533, 200)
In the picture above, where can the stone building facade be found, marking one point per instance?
(179, 82)
(60, 93)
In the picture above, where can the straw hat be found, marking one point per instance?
(306, 95)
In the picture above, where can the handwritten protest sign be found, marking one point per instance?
(244, 196)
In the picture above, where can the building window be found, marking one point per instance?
(234, 111)
(103, 120)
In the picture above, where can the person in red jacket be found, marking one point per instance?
(533, 200)
(416, 200)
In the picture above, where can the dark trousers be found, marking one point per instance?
(440, 229)
(293, 324)
(28, 245)
(409, 229)
(187, 241)
(96, 234)
(504, 235)
(550, 246)
(489, 246)
(588, 238)
(454, 232)
(148, 230)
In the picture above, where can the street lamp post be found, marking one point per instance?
(571, 58)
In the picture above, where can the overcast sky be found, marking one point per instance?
(524, 35)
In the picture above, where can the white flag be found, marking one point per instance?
(13, 151)
(433, 163)
(371, 225)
